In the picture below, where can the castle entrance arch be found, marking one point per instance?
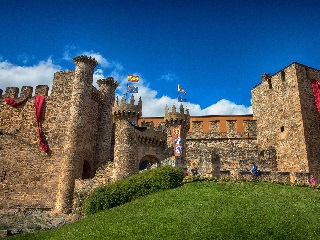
(148, 161)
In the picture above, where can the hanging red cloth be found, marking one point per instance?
(38, 103)
(316, 92)
(11, 102)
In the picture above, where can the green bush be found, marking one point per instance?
(135, 186)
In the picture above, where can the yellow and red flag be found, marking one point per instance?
(133, 78)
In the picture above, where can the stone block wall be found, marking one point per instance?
(73, 123)
(216, 153)
(287, 119)
(32, 174)
(310, 117)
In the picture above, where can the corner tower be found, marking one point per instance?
(107, 87)
(288, 120)
(125, 116)
(79, 140)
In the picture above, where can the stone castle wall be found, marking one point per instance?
(32, 174)
(215, 152)
(287, 119)
(310, 117)
(73, 130)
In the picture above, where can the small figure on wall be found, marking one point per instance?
(255, 171)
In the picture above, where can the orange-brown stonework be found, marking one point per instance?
(93, 139)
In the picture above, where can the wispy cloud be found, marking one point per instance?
(169, 77)
(153, 105)
(25, 58)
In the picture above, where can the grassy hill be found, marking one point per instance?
(205, 210)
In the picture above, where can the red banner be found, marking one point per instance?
(11, 102)
(38, 104)
(176, 140)
(316, 92)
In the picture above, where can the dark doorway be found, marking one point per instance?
(86, 171)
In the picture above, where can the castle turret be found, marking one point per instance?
(177, 124)
(125, 117)
(78, 147)
(107, 87)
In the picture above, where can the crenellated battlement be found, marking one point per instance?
(108, 82)
(177, 118)
(127, 111)
(152, 137)
(85, 59)
(26, 92)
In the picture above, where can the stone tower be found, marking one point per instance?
(287, 119)
(80, 140)
(107, 87)
(125, 148)
(177, 120)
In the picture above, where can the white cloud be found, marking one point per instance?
(153, 105)
(101, 60)
(17, 76)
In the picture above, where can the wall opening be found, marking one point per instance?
(143, 165)
(269, 83)
(86, 170)
(282, 129)
(148, 162)
(283, 76)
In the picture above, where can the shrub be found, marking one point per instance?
(135, 186)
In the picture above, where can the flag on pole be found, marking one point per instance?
(180, 89)
(180, 99)
(132, 89)
(133, 78)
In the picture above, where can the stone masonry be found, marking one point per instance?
(93, 139)
(288, 120)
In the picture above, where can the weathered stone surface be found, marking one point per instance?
(288, 120)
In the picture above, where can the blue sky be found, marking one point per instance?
(216, 50)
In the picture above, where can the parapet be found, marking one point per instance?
(125, 111)
(108, 83)
(26, 91)
(174, 117)
(85, 59)
(41, 90)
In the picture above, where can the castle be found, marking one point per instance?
(87, 138)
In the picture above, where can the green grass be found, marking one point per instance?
(205, 210)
